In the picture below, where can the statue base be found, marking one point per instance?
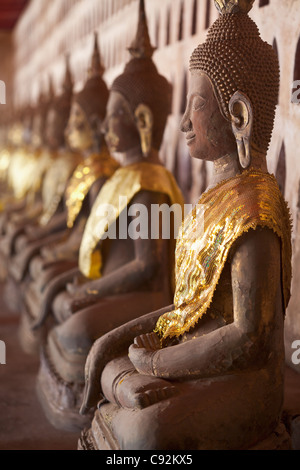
(3, 268)
(100, 437)
(60, 400)
(13, 295)
(30, 340)
(218, 413)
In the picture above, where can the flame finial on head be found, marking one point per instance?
(94, 95)
(68, 81)
(233, 6)
(51, 93)
(141, 47)
(96, 68)
(41, 97)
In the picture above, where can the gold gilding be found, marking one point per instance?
(55, 182)
(26, 171)
(233, 207)
(5, 156)
(233, 6)
(117, 193)
(84, 177)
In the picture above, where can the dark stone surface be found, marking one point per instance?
(23, 425)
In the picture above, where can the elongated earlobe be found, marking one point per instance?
(241, 113)
(144, 121)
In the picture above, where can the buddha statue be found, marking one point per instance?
(9, 202)
(19, 138)
(122, 269)
(58, 163)
(207, 371)
(83, 134)
(13, 204)
(27, 171)
(6, 152)
(48, 156)
(22, 205)
(37, 159)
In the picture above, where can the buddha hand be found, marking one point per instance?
(49, 294)
(151, 396)
(142, 352)
(33, 232)
(81, 302)
(79, 298)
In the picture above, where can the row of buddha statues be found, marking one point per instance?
(165, 343)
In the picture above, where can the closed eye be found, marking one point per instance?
(198, 103)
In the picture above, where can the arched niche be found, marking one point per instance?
(298, 201)
(297, 62)
(207, 14)
(183, 171)
(296, 78)
(183, 94)
(263, 3)
(181, 22)
(157, 31)
(275, 47)
(168, 28)
(281, 169)
(203, 177)
(194, 18)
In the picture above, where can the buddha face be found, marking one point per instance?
(16, 134)
(36, 137)
(55, 128)
(53, 137)
(209, 135)
(119, 127)
(78, 132)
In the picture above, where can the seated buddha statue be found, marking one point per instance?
(38, 160)
(84, 136)
(6, 152)
(122, 270)
(207, 371)
(45, 155)
(58, 163)
(23, 205)
(19, 136)
(32, 170)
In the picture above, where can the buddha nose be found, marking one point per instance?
(104, 126)
(67, 131)
(186, 124)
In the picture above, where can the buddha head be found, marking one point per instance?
(20, 131)
(16, 130)
(88, 109)
(58, 113)
(40, 118)
(140, 99)
(233, 89)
